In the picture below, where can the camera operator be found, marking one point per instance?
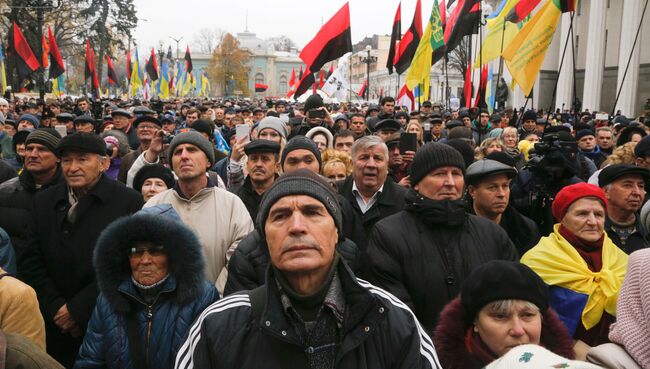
(316, 115)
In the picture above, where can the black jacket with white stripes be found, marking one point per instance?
(378, 331)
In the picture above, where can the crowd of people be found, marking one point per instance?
(247, 233)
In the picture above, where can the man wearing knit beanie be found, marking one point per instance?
(308, 289)
(316, 115)
(433, 242)
(300, 152)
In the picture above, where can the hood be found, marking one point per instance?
(159, 224)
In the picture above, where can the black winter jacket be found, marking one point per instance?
(378, 331)
(425, 266)
(248, 264)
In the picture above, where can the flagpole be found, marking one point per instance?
(575, 90)
(397, 87)
(503, 35)
(559, 70)
(447, 90)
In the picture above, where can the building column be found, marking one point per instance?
(595, 63)
(563, 98)
(632, 16)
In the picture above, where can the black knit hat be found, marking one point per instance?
(47, 137)
(314, 101)
(153, 171)
(502, 280)
(82, 142)
(431, 156)
(301, 182)
(301, 142)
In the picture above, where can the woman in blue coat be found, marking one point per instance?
(149, 270)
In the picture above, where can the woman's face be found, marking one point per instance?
(269, 134)
(532, 138)
(502, 329)
(510, 140)
(413, 129)
(148, 263)
(151, 187)
(335, 171)
(635, 137)
(493, 147)
(585, 218)
(321, 142)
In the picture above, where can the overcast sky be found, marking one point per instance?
(298, 19)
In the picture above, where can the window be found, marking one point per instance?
(259, 78)
(284, 87)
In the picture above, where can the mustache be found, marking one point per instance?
(302, 241)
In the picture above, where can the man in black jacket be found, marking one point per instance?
(66, 221)
(423, 253)
(16, 195)
(312, 312)
(262, 165)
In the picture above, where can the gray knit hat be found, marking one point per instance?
(193, 138)
(275, 124)
(301, 142)
(434, 155)
(47, 137)
(301, 182)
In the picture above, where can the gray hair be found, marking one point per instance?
(121, 138)
(505, 306)
(367, 142)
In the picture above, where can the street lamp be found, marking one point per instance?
(177, 41)
(368, 59)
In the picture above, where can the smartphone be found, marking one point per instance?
(61, 129)
(319, 113)
(243, 130)
(408, 142)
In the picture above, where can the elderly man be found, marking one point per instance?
(122, 122)
(488, 188)
(312, 312)
(423, 253)
(66, 221)
(218, 217)
(587, 144)
(605, 140)
(262, 165)
(145, 127)
(624, 187)
(372, 194)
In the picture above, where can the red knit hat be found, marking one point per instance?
(570, 194)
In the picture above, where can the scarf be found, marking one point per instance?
(434, 212)
(559, 264)
(475, 346)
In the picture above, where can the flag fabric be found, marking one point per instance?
(321, 78)
(499, 33)
(292, 81)
(566, 5)
(110, 71)
(467, 88)
(443, 13)
(521, 10)
(58, 86)
(432, 39)
(162, 88)
(3, 73)
(198, 83)
(221, 143)
(300, 75)
(363, 90)
(406, 98)
(152, 67)
(462, 21)
(136, 80)
(25, 60)
(205, 85)
(410, 41)
(490, 92)
(90, 61)
(45, 51)
(525, 54)
(128, 64)
(480, 92)
(329, 73)
(336, 84)
(188, 61)
(395, 36)
(56, 62)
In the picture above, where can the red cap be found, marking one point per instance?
(570, 194)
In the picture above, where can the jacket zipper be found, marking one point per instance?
(149, 324)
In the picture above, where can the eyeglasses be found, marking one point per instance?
(137, 252)
(147, 126)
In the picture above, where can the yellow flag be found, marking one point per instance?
(420, 69)
(525, 54)
(497, 37)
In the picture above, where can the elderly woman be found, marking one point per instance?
(152, 180)
(150, 275)
(582, 266)
(510, 139)
(502, 304)
(322, 137)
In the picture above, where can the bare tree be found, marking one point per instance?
(458, 57)
(208, 39)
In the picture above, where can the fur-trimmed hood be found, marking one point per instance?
(449, 337)
(158, 224)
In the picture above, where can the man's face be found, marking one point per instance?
(11, 131)
(82, 170)
(484, 118)
(344, 144)
(604, 139)
(384, 134)
(299, 159)
(189, 162)
(259, 115)
(530, 125)
(444, 183)
(388, 108)
(218, 114)
(4, 109)
(467, 122)
(301, 235)
(395, 157)
(262, 166)
(228, 119)
(146, 131)
(39, 159)
(280, 108)
(454, 115)
(190, 118)
(626, 194)
(24, 125)
(491, 195)
(587, 143)
(84, 127)
(121, 122)
(169, 127)
(370, 168)
(358, 126)
(83, 106)
(436, 129)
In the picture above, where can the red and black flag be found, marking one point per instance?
(112, 77)
(45, 48)
(463, 21)
(332, 41)
(395, 36)
(26, 61)
(566, 5)
(521, 10)
(304, 83)
(321, 76)
(330, 72)
(90, 61)
(128, 64)
(364, 89)
(409, 42)
(152, 67)
(467, 87)
(56, 62)
(188, 61)
(260, 87)
(480, 94)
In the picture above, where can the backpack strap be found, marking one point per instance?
(257, 297)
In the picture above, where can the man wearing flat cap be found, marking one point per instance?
(145, 127)
(423, 253)
(488, 190)
(312, 312)
(122, 122)
(625, 187)
(385, 128)
(262, 166)
(84, 123)
(66, 221)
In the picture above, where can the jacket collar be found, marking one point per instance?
(199, 195)
(386, 197)
(27, 180)
(128, 288)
